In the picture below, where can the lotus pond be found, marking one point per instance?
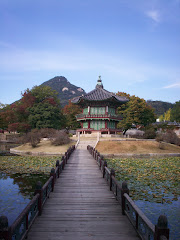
(154, 186)
(18, 178)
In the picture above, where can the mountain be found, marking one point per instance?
(160, 107)
(65, 89)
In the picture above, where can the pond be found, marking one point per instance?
(16, 191)
(153, 210)
(5, 148)
(154, 187)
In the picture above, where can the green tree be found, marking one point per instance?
(46, 111)
(45, 115)
(175, 112)
(42, 93)
(135, 111)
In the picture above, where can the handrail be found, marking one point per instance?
(20, 227)
(106, 115)
(25, 219)
(144, 227)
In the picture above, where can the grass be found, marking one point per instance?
(44, 146)
(135, 147)
(154, 180)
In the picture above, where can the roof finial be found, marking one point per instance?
(99, 83)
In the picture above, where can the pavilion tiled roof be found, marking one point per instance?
(99, 94)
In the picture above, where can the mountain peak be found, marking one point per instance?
(65, 89)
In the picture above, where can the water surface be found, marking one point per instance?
(16, 191)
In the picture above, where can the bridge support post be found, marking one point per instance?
(4, 228)
(161, 229)
(40, 191)
(124, 189)
(53, 174)
(112, 174)
(57, 165)
(101, 159)
(63, 160)
(105, 165)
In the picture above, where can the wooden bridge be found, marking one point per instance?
(80, 206)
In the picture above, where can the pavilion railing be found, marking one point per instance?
(144, 227)
(102, 116)
(20, 227)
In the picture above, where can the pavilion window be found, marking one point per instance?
(85, 124)
(85, 111)
(111, 124)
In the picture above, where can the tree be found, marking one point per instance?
(42, 93)
(38, 108)
(175, 112)
(135, 111)
(19, 127)
(45, 115)
(166, 116)
(70, 111)
(46, 111)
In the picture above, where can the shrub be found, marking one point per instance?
(60, 138)
(159, 137)
(47, 132)
(169, 137)
(32, 137)
(162, 146)
(150, 133)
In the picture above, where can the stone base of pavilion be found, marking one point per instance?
(101, 133)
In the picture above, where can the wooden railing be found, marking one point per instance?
(144, 227)
(102, 116)
(19, 229)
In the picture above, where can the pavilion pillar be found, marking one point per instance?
(106, 110)
(88, 123)
(105, 123)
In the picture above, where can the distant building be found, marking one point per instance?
(99, 110)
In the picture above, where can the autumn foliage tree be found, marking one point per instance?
(38, 108)
(70, 111)
(135, 111)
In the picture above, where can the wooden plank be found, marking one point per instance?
(81, 206)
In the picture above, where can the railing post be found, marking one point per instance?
(63, 159)
(105, 165)
(161, 229)
(54, 177)
(57, 165)
(66, 156)
(124, 189)
(101, 158)
(39, 190)
(94, 151)
(4, 228)
(111, 174)
(96, 155)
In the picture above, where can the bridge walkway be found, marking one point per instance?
(81, 206)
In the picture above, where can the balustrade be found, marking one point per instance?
(141, 223)
(19, 229)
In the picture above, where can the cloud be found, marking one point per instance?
(175, 85)
(154, 15)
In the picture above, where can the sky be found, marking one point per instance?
(133, 44)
